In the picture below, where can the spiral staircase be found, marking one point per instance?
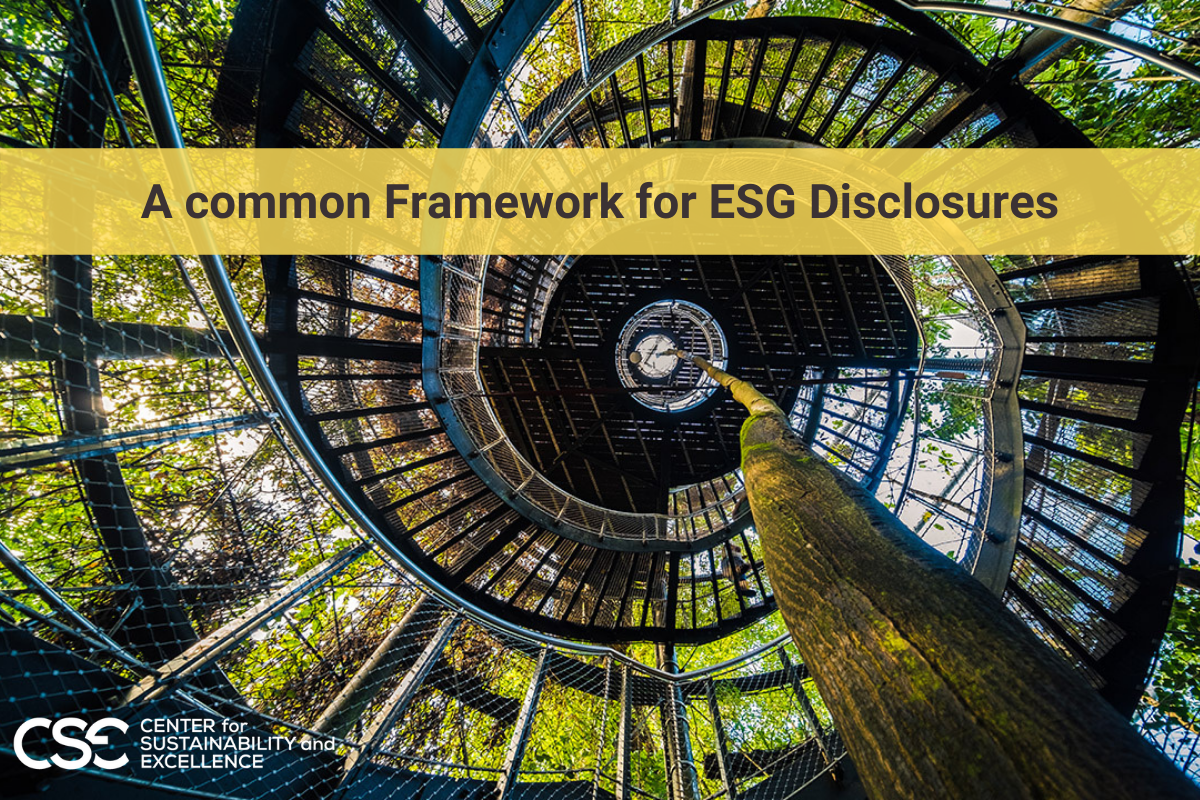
(424, 520)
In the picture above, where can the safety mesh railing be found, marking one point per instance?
(733, 756)
(350, 678)
(174, 567)
(1084, 520)
(232, 553)
(169, 563)
(645, 87)
(588, 46)
(939, 479)
(962, 341)
(273, 635)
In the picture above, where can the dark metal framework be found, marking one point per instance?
(353, 341)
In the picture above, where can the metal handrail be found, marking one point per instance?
(138, 36)
(1077, 30)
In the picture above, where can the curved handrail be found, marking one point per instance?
(138, 35)
(1077, 30)
(139, 41)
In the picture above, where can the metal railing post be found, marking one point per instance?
(681, 769)
(624, 735)
(585, 61)
(521, 729)
(608, 669)
(400, 699)
(720, 740)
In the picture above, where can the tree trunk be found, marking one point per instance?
(936, 688)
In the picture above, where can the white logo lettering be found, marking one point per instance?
(60, 732)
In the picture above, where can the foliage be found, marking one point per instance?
(230, 518)
(1170, 710)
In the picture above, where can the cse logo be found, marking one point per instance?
(60, 731)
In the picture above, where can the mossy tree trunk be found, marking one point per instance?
(937, 689)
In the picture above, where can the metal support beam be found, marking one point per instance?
(400, 699)
(25, 338)
(721, 741)
(436, 55)
(342, 347)
(76, 446)
(137, 32)
(521, 730)
(347, 707)
(585, 61)
(624, 735)
(806, 706)
(681, 768)
(206, 651)
(999, 518)
(605, 697)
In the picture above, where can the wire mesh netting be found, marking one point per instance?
(170, 562)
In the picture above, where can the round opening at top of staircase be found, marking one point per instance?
(647, 354)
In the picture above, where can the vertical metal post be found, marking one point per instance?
(681, 769)
(138, 34)
(400, 699)
(722, 743)
(608, 670)
(521, 729)
(223, 639)
(806, 706)
(624, 735)
(345, 709)
(585, 61)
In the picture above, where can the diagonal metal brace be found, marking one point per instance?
(521, 731)
(400, 699)
(231, 634)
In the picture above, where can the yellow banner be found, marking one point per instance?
(701, 200)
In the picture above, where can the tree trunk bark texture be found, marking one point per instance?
(936, 688)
